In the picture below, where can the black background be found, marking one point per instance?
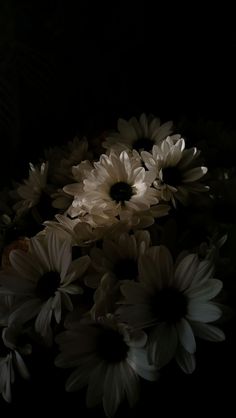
(67, 71)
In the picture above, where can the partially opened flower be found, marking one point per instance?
(41, 281)
(176, 170)
(108, 357)
(137, 134)
(174, 303)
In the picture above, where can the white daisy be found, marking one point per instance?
(139, 134)
(42, 280)
(109, 358)
(116, 188)
(34, 191)
(175, 301)
(114, 263)
(175, 168)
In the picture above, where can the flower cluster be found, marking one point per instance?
(96, 264)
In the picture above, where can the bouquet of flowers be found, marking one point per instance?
(111, 259)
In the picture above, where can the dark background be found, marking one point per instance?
(67, 71)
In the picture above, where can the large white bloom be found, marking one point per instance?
(108, 357)
(42, 280)
(175, 303)
(139, 134)
(175, 170)
(117, 188)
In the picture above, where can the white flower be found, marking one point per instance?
(42, 280)
(175, 169)
(116, 262)
(33, 188)
(61, 200)
(108, 357)
(139, 134)
(11, 360)
(84, 231)
(117, 187)
(175, 303)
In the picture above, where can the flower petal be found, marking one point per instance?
(163, 344)
(186, 336)
(203, 312)
(207, 332)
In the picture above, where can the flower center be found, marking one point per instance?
(126, 269)
(169, 305)
(47, 285)
(111, 346)
(143, 144)
(171, 176)
(121, 192)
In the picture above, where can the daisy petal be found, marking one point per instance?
(207, 332)
(163, 344)
(203, 312)
(186, 336)
(185, 360)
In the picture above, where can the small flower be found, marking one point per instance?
(34, 194)
(108, 357)
(114, 263)
(175, 169)
(139, 134)
(41, 281)
(174, 303)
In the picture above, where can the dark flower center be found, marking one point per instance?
(172, 176)
(143, 144)
(111, 346)
(169, 305)
(126, 269)
(121, 192)
(47, 285)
